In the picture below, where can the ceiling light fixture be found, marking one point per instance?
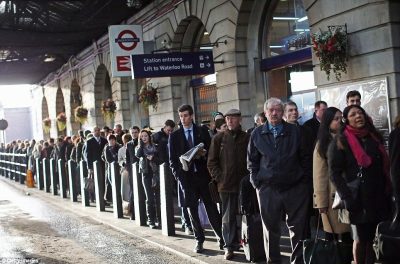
(302, 30)
(134, 3)
(285, 18)
(49, 59)
(302, 19)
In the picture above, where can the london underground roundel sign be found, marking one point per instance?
(127, 40)
(3, 124)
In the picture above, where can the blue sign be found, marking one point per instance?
(172, 64)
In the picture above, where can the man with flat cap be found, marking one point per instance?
(227, 165)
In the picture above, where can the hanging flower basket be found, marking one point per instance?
(148, 96)
(331, 49)
(46, 125)
(61, 121)
(108, 109)
(81, 114)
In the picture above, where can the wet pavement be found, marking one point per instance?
(42, 228)
(33, 231)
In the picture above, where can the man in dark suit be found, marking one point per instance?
(130, 159)
(94, 149)
(313, 123)
(193, 183)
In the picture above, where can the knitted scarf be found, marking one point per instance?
(359, 153)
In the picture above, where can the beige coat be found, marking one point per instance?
(324, 192)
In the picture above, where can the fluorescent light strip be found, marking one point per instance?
(276, 47)
(302, 19)
(302, 30)
(285, 18)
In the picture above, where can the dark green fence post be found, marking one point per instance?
(116, 190)
(167, 203)
(39, 173)
(62, 179)
(139, 197)
(99, 185)
(46, 174)
(83, 176)
(53, 177)
(72, 181)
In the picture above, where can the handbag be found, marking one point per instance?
(354, 185)
(323, 251)
(213, 188)
(387, 241)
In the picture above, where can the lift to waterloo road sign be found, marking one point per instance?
(172, 64)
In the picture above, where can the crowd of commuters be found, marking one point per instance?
(294, 168)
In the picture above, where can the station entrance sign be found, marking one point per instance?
(172, 64)
(124, 41)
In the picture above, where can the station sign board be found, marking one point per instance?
(124, 41)
(172, 64)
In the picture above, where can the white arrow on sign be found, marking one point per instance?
(208, 65)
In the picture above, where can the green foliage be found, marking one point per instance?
(331, 49)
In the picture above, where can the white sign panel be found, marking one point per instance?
(125, 40)
(374, 99)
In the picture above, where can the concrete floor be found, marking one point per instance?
(96, 237)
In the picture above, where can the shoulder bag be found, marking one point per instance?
(354, 185)
(318, 250)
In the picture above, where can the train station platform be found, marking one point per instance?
(180, 244)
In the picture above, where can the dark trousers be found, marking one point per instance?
(78, 179)
(200, 190)
(107, 184)
(294, 204)
(153, 209)
(229, 211)
(130, 178)
(185, 219)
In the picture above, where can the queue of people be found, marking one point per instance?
(293, 168)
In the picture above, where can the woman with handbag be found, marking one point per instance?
(324, 189)
(358, 155)
(146, 151)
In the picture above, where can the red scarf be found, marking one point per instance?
(359, 153)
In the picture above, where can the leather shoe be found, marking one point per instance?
(228, 254)
(199, 247)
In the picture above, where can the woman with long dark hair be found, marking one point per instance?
(357, 155)
(323, 187)
(146, 151)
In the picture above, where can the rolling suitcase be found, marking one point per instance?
(252, 237)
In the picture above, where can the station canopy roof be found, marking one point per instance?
(38, 37)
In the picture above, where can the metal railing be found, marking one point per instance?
(68, 180)
(14, 166)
